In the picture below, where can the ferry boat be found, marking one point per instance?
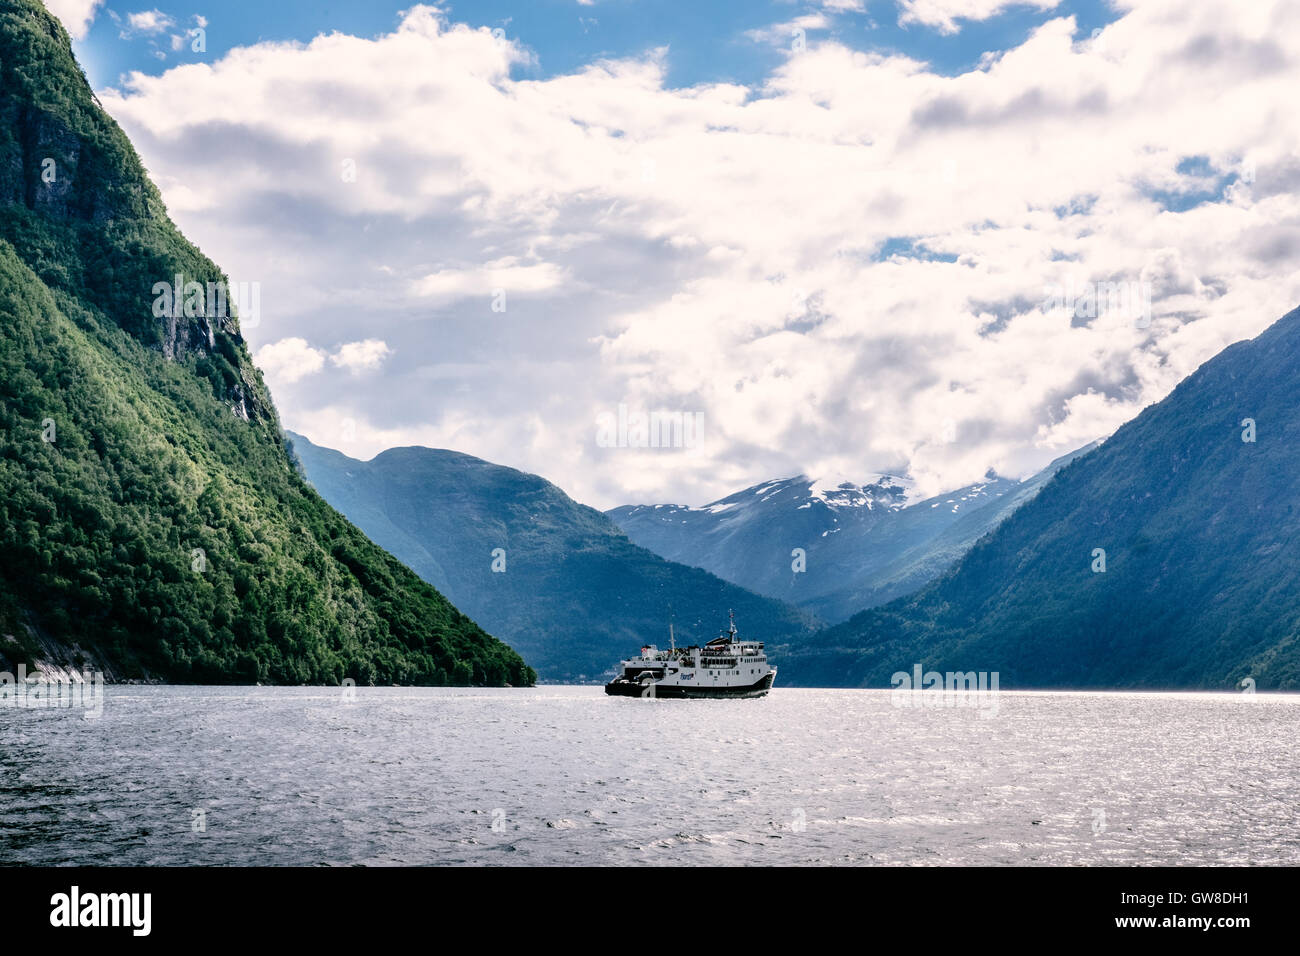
(724, 667)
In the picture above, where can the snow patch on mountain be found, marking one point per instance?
(889, 491)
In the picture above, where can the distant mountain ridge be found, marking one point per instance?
(863, 544)
(1167, 558)
(571, 592)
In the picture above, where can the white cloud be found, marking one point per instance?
(148, 22)
(76, 15)
(944, 14)
(503, 274)
(289, 360)
(363, 356)
(830, 267)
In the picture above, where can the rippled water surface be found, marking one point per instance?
(567, 775)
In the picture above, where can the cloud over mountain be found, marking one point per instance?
(860, 265)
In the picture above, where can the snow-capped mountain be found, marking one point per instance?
(828, 496)
(829, 544)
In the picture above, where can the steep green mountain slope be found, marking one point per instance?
(571, 592)
(1201, 534)
(150, 519)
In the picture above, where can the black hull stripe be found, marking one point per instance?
(622, 688)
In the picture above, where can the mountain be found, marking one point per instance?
(863, 544)
(1196, 506)
(151, 522)
(981, 510)
(574, 595)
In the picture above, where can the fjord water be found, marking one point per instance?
(553, 775)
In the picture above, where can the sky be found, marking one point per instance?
(848, 237)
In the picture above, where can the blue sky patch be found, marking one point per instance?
(705, 42)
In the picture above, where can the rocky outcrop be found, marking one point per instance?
(45, 658)
(50, 169)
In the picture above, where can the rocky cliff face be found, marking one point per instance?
(46, 659)
(71, 182)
